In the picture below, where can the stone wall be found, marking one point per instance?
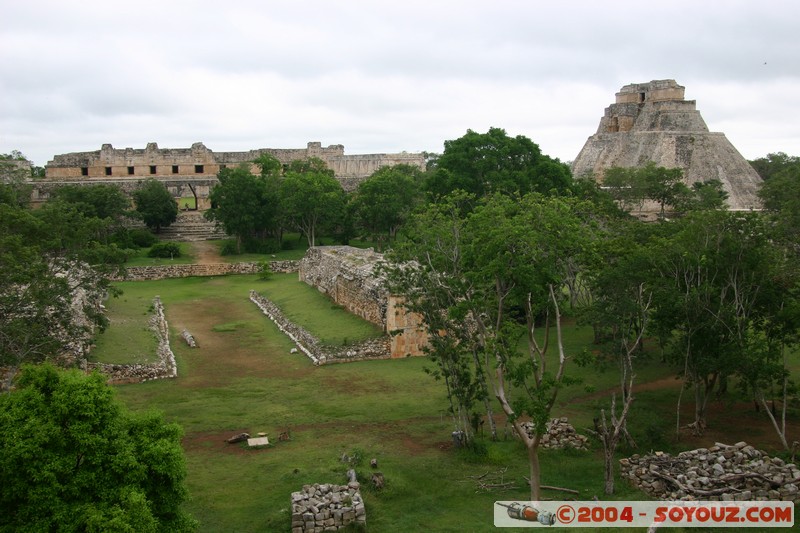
(723, 472)
(327, 508)
(136, 373)
(156, 272)
(350, 277)
(320, 353)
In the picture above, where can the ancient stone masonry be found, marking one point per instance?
(319, 353)
(327, 508)
(134, 373)
(653, 122)
(560, 434)
(349, 276)
(192, 172)
(720, 473)
(156, 272)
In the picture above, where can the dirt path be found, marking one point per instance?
(206, 253)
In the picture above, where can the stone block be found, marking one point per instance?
(258, 441)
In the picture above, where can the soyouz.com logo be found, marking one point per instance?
(596, 514)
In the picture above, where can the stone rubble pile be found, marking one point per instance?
(560, 434)
(723, 472)
(319, 353)
(327, 507)
(157, 272)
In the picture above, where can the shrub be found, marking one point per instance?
(264, 271)
(142, 237)
(228, 248)
(165, 249)
(261, 246)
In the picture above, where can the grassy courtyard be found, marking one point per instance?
(242, 378)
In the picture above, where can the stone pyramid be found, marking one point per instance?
(653, 122)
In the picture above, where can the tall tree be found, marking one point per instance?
(155, 205)
(72, 459)
(384, 201)
(493, 162)
(486, 277)
(311, 197)
(101, 201)
(246, 205)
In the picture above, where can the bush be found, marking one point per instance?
(261, 246)
(142, 237)
(228, 248)
(169, 250)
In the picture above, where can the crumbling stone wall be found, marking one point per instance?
(156, 272)
(320, 353)
(723, 472)
(327, 507)
(349, 276)
(135, 373)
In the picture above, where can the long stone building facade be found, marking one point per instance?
(193, 171)
(654, 122)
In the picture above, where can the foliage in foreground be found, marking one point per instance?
(72, 459)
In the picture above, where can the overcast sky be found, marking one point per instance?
(381, 76)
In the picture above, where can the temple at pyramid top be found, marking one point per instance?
(653, 122)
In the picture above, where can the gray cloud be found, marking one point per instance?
(382, 76)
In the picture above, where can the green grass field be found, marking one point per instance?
(244, 378)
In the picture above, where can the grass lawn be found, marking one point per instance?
(141, 258)
(243, 378)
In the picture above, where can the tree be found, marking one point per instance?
(631, 186)
(781, 198)
(486, 278)
(485, 163)
(155, 205)
(245, 205)
(718, 295)
(772, 164)
(100, 201)
(384, 201)
(49, 295)
(311, 196)
(72, 459)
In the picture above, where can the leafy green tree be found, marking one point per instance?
(718, 294)
(384, 201)
(780, 195)
(484, 279)
(311, 197)
(493, 162)
(72, 459)
(44, 266)
(100, 201)
(245, 205)
(772, 164)
(632, 186)
(155, 205)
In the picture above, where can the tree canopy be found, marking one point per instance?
(73, 459)
(311, 196)
(155, 205)
(493, 162)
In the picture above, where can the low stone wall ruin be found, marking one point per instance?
(157, 272)
(327, 508)
(720, 473)
(319, 353)
(137, 373)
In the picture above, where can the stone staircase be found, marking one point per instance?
(191, 226)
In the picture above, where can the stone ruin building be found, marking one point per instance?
(348, 276)
(653, 122)
(192, 172)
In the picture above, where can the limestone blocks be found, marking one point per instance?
(327, 507)
(723, 472)
(560, 434)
